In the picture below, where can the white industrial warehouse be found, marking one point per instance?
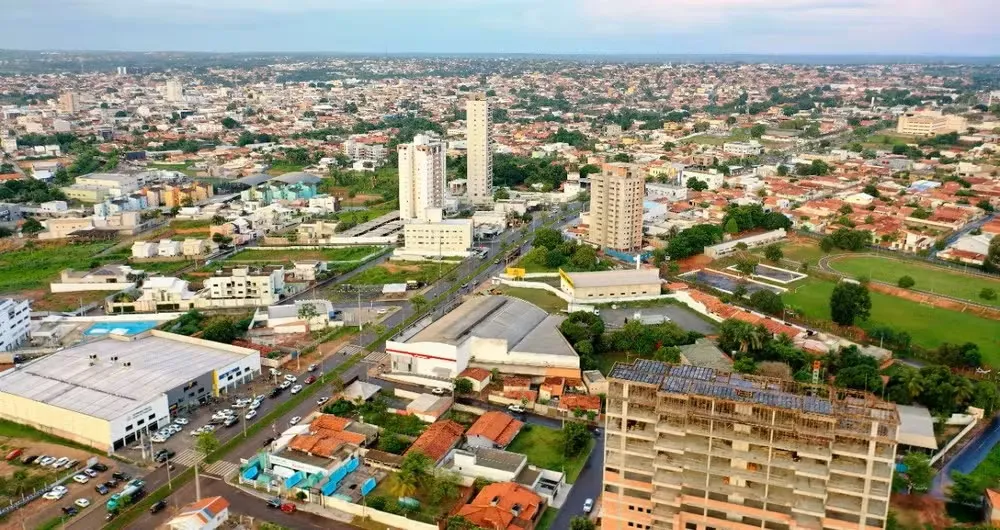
(106, 392)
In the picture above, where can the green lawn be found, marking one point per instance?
(928, 277)
(929, 326)
(258, 254)
(531, 266)
(543, 447)
(190, 224)
(804, 251)
(543, 299)
(548, 517)
(166, 268)
(989, 469)
(35, 267)
(401, 271)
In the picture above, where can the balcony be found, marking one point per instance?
(853, 449)
(844, 503)
(671, 444)
(811, 469)
(639, 448)
(840, 465)
(842, 484)
(665, 496)
(666, 478)
(809, 506)
(810, 486)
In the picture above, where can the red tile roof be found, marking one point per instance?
(498, 427)
(580, 401)
(494, 507)
(476, 374)
(438, 439)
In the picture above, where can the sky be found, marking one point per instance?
(824, 27)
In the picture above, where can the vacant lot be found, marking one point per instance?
(401, 271)
(543, 447)
(543, 299)
(929, 326)
(800, 250)
(937, 280)
(37, 264)
(288, 256)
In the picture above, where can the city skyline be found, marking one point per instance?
(819, 27)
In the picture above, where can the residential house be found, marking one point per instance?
(493, 429)
(438, 439)
(145, 249)
(168, 248)
(504, 506)
(207, 514)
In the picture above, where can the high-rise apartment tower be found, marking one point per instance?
(421, 176)
(616, 207)
(692, 448)
(479, 124)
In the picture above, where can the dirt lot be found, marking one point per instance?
(394, 268)
(41, 510)
(699, 261)
(916, 511)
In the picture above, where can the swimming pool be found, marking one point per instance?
(121, 327)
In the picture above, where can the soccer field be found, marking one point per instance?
(928, 277)
(929, 326)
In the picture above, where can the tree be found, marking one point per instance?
(988, 294)
(747, 264)
(918, 472)
(444, 486)
(419, 302)
(782, 170)
(575, 438)
(458, 522)
(965, 489)
(906, 282)
(584, 258)
(581, 523)
(31, 226)
(218, 220)
(462, 386)
(696, 185)
(849, 303)
(549, 238)
(414, 471)
(992, 262)
(230, 123)
(773, 253)
(768, 302)
(758, 130)
(307, 312)
(221, 329)
(731, 227)
(207, 443)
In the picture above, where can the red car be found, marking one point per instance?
(310, 380)
(288, 507)
(13, 454)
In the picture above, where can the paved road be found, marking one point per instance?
(587, 486)
(967, 458)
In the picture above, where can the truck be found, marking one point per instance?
(132, 492)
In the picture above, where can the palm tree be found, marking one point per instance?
(402, 485)
(963, 390)
(913, 383)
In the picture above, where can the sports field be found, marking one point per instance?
(937, 280)
(929, 326)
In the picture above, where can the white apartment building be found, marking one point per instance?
(450, 237)
(929, 123)
(356, 150)
(264, 286)
(14, 323)
(69, 102)
(479, 150)
(751, 148)
(175, 90)
(421, 177)
(713, 177)
(616, 208)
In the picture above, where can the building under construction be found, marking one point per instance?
(694, 448)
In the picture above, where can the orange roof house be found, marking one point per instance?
(494, 429)
(326, 436)
(210, 512)
(504, 506)
(571, 402)
(438, 439)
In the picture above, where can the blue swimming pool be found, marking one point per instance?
(121, 328)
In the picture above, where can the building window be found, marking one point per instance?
(153, 415)
(128, 427)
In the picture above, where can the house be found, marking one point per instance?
(438, 439)
(480, 377)
(206, 514)
(991, 503)
(552, 388)
(169, 248)
(104, 278)
(195, 247)
(570, 403)
(494, 429)
(145, 249)
(504, 506)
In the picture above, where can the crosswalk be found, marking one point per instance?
(187, 457)
(222, 468)
(350, 349)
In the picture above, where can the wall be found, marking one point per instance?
(535, 285)
(71, 425)
(79, 287)
(396, 521)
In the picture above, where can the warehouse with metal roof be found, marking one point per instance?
(108, 392)
(609, 286)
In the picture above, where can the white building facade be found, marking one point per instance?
(14, 323)
(421, 177)
(479, 149)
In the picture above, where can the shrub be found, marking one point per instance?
(988, 294)
(906, 282)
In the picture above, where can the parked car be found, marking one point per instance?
(181, 421)
(90, 472)
(294, 420)
(275, 392)
(288, 507)
(268, 442)
(71, 464)
(231, 421)
(251, 415)
(102, 489)
(70, 510)
(111, 484)
(312, 368)
(158, 507)
(83, 503)
(290, 377)
(438, 391)
(285, 385)
(588, 505)
(29, 459)
(274, 503)
(163, 455)
(120, 476)
(322, 400)
(81, 478)
(99, 467)
(310, 380)
(296, 389)
(13, 454)
(45, 460)
(516, 408)
(61, 462)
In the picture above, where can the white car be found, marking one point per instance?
(312, 368)
(45, 460)
(322, 400)
(516, 408)
(588, 505)
(255, 405)
(296, 389)
(81, 479)
(71, 463)
(61, 462)
(438, 391)
(251, 415)
(181, 421)
(285, 385)
(240, 404)
(275, 372)
(381, 311)
(174, 428)
(211, 428)
(290, 377)
(196, 432)
(83, 503)
(294, 420)
(90, 473)
(157, 439)
(56, 493)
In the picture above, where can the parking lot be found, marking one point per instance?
(683, 317)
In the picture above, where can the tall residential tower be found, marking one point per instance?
(616, 207)
(479, 123)
(692, 448)
(421, 177)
